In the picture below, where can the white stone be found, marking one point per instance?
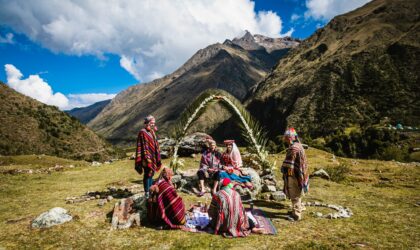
(54, 216)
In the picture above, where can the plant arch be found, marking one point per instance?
(253, 132)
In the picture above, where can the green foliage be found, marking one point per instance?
(338, 173)
(372, 142)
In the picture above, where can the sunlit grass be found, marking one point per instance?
(381, 194)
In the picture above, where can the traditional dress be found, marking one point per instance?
(209, 165)
(228, 214)
(165, 206)
(295, 176)
(233, 163)
(147, 156)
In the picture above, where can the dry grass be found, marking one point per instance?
(382, 196)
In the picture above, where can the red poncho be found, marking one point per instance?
(148, 150)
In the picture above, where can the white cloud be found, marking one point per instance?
(83, 100)
(7, 39)
(36, 87)
(294, 17)
(327, 9)
(152, 38)
(288, 33)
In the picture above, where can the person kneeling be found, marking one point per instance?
(165, 207)
(227, 212)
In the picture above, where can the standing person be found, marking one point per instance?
(295, 172)
(148, 153)
(209, 166)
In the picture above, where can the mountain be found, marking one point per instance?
(226, 66)
(31, 127)
(86, 114)
(361, 67)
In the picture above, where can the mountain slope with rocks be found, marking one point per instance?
(226, 66)
(362, 66)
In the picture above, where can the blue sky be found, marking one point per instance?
(88, 51)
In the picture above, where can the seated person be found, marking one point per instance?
(232, 163)
(227, 212)
(165, 207)
(209, 166)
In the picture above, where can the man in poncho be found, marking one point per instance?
(147, 159)
(295, 172)
(227, 212)
(209, 166)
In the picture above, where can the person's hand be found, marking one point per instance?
(138, 168)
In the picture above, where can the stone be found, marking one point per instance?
(321, 173)
(128, 212)
(255, 180)
(318, 215)
(269, 182)
(191, 144)
(269, 188)
(109, 198)
(102, 202)
(54, 216)
(176, 179)
(278, 196)
(96, 164)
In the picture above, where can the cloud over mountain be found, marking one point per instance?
(152, 38)
(36, 87)
(327, 9)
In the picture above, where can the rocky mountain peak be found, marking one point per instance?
(260, 42)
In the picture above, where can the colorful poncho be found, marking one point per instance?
(165, 205)
(234, 173)
(148, 150)
(295, 164)
(210, 159)
(228, 214)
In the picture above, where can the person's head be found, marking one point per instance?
(149, 123)
(290, 136)
(211, 145)
(229, 145)
(166, 174)
(226, 183)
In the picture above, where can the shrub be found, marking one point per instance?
(338, 173)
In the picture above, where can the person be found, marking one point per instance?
(209, 166)
(232, 163)
(147, 160)
(165, 207)
(295, 172)
(227, 212)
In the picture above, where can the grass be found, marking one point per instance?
(381, 194)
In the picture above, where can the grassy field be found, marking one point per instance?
(384, 197)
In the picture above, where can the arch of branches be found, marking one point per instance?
(252, 131)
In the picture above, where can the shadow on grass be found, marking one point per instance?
(261, 204)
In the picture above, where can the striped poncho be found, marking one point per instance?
(165, 205)
(228, 214)
(295, 164)
(148, 150)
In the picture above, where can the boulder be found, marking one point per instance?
(54, 216)
(321, 173)
(269, 188)
(278, 196)
(255, 179)
(128, 212)
(190, 145)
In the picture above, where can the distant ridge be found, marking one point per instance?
(86, 114)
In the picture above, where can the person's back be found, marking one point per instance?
(227, 212)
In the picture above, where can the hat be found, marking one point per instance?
(290, 132)
(228, 142)
(148, 119)
(225, 182)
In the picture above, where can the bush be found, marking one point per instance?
(338, 173)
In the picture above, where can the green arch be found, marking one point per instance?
(253, 132)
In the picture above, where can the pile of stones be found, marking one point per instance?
(105, 196)
(342, 212)
(56, 168)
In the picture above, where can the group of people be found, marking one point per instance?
(228, 217)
